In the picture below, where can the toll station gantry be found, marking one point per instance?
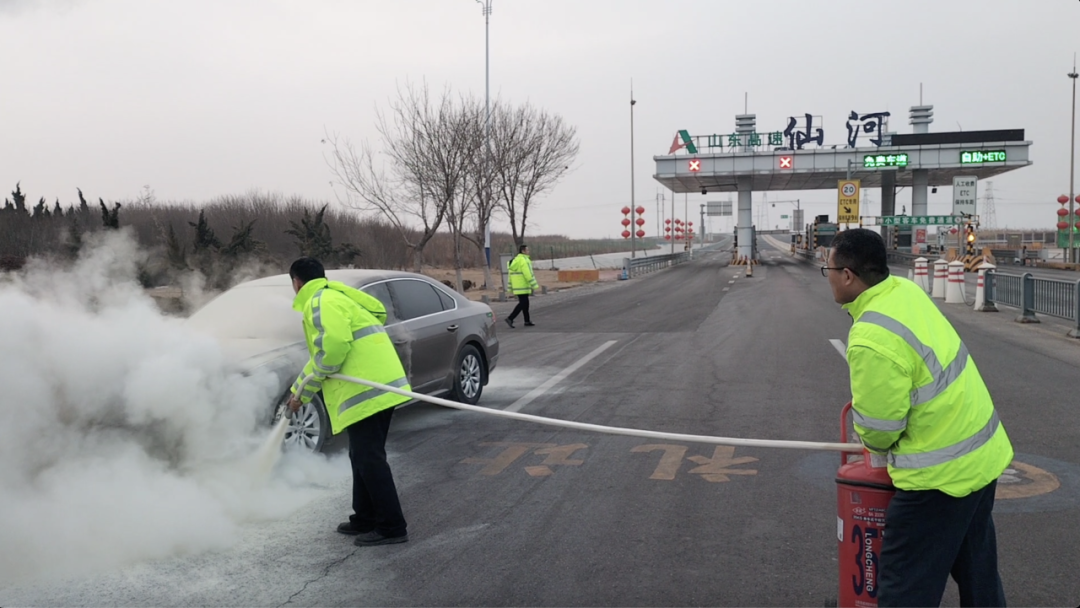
(747, 161)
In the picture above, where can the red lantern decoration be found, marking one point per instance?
(952, 230)
(640, 233)
(667, 237)
(690, 223)
(1078, 224)
(1063, 199)
(1063, 212)
(625, 234)
(640, 221)
(626, 211)
(640, 210)
(625, 221)
(1062, 225)
(667, 222)
(1078, 198)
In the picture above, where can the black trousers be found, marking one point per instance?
(522, 307)
(930, 535)
(375, 499)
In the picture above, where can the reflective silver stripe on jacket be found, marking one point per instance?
(943, 378)
(878, 424)
(370, 330)
(313, 386)
(946, 454)
(320, 332)
(370, 394)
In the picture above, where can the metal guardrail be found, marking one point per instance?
(1051, 297)
(633, 267)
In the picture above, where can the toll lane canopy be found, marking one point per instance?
(939, 156)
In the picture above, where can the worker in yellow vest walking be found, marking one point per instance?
(345, 335)
(522, 284)
(918, 399)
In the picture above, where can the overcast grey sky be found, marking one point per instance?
(200, 98)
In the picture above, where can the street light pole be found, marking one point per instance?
(1072, 165)
(633, 203)
(486, 4)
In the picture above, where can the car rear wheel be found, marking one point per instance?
(309, 427)
(468, 376)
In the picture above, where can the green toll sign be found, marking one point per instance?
(872, 161)
(978, 157)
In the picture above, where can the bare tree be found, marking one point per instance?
(532, 151)
(424, 173)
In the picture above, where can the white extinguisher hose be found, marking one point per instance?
(599, 428)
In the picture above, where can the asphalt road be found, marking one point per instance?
(511, 513)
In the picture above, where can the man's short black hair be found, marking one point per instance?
(307, 269)
(522, 248)
(863, 252)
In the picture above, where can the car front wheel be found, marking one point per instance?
(309, 427)
(468, 376)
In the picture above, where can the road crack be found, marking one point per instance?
(326, 572)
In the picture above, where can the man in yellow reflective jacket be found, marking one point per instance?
(918, 399)
(522, 284)
(344, 331)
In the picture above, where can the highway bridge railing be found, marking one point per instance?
(1051, 297)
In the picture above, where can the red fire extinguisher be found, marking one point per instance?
(864, 490)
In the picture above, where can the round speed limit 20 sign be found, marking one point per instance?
(848, 189)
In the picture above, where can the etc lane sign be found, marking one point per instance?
(847, 202)
(965, 189)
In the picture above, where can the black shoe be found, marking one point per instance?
(370, 539)
(350, 529)
(510, 322)
(527, 324)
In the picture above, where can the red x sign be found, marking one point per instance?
(695, 165)
(785, 162)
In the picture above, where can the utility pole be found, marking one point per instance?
(633, 204)
(1072, 165)
(486, 4)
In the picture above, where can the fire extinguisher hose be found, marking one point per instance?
(598, 428)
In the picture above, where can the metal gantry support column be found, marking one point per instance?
(746, 217)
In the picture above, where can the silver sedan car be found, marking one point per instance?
(447, 343)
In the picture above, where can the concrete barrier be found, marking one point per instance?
(579, 276)
(941, 276)
(954, 292)
(981, 305)
(922, 274)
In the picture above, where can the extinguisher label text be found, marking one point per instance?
(866, 560)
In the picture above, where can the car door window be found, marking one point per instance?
(382, 293)
(448, 303)
(415, 298)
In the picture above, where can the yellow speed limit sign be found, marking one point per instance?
(847, 204)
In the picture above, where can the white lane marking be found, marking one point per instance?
(730, 282)
(726, 288)
(840, 348)
(557, 378)
(734, 276)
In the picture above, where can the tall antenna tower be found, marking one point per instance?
(989, 214)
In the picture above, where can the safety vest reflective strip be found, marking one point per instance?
(948, 453)
(320, 354)
(943, 378)
(370, 394)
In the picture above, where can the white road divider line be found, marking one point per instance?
(840, 348)
(557, 378)
(611, 430)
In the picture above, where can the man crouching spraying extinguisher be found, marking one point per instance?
(918, 398)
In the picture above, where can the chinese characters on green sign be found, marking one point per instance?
(921, 220)
(975, 157)
(871, 161)
(738, 140)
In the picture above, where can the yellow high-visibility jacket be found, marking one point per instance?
(522, 280)
(345, 335)
(917, 395)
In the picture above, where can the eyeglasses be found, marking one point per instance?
(825, 270)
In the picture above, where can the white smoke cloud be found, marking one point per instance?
(123, 437)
